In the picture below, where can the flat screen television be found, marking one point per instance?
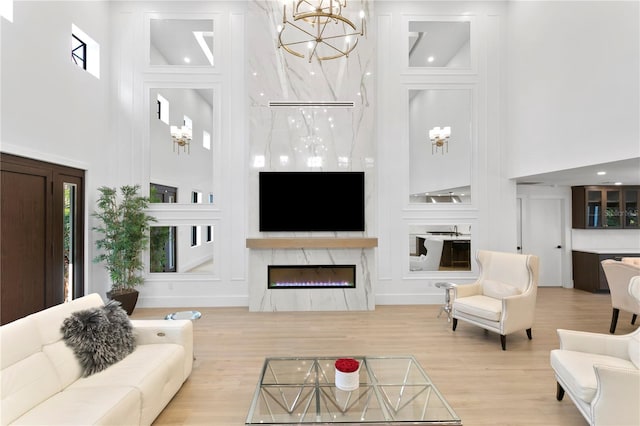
(311, 201)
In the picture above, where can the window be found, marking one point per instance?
(85, 52)
(163, 109)
(196, 236)
(206, 140)
(6, 9)
(79, 52)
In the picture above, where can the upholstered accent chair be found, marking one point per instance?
(618, 274)
(600, 372)
(631, 260)
(503, 298)
(430, 261)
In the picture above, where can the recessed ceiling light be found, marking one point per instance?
(602, 173)
(187, 60)
(618, 183)
(431, 59)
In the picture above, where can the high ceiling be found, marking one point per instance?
(177, 39)
(627, 172)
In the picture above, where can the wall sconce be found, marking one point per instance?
(182, 138)
(439, 139)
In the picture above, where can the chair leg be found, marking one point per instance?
(634, 318)
(529, 333)
(503, 342)
(454, 323)
(614, 320)
(559, 392)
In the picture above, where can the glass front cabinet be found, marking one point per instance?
(598, 207)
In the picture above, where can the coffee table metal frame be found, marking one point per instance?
(394, 390)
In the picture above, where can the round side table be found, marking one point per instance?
(448, 288)
(184, 315)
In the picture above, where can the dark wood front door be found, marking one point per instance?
(33, 241)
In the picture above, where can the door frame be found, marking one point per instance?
(54, 175)
(525, 193)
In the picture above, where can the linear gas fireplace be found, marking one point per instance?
(311, 276)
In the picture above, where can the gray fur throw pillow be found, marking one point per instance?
(99, 336)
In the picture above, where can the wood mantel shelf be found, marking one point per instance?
(311, 242)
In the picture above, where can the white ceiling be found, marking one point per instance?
(626, 172)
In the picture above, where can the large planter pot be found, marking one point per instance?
(127, 298)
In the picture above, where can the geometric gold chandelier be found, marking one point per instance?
(318, 29)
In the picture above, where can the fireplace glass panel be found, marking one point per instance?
(311, 276)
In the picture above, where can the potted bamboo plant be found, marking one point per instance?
(124, 226)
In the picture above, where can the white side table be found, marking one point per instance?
(448, 288)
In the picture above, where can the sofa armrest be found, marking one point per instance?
(150, 332)
(518, 311)
(616, 401)
(180, 332)
(595, 343)
(466, 290)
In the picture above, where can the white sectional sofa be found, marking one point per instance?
(601, 373)
(42, 381)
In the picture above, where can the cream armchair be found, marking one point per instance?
(503, 299)
(618, 274)
(430, 261)
(600, 373)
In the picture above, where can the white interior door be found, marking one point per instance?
(542, 236)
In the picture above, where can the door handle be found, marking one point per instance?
(559, 247)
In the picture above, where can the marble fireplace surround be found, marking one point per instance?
(358, 251)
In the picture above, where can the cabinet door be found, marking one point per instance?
(630, 212)
(613, 211)
(594, 208)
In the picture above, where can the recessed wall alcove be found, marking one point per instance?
(263, 255)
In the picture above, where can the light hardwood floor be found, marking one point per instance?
(483, 384)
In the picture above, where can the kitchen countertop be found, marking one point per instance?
(610, 251)
(463, 237)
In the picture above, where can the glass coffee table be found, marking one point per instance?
(394, 390)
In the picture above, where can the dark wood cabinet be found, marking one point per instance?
(588, 274)
(456, 254)
(600, 207)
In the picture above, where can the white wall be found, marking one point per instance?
(574, 89)
(574, 93)
(54, 111)
(560, 105)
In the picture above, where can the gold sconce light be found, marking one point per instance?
(181, 138)
(439, 139)
(318, 28)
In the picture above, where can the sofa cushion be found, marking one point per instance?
(576, 370)
(479, 306)
(99, 336)
(104, 405)
(499, 290)
(155, 370)
(26, 384)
